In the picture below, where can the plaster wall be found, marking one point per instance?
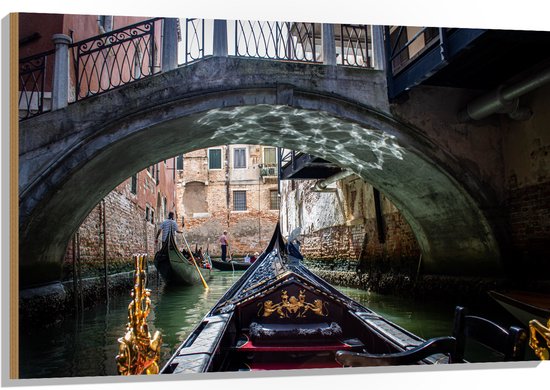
(340, 225)
(509, 158)
(476, 146)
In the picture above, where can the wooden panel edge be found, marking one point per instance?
(14, 197)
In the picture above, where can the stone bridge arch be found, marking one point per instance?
(71, 158)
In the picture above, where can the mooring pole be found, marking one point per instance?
(103, 215)
(75, 296)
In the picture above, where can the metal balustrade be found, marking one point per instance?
(111, 60)
(276, 40)
(194, 40)
(33, 73)
(400, 45)
(116, 58)
(354, 44)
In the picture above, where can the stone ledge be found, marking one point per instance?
(47, 301)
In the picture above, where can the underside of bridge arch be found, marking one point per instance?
(452, 230)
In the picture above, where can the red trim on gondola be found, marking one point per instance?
(335, 346)
(292, 366)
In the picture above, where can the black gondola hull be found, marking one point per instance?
(230, 265)
(279, 315)
(175, 269)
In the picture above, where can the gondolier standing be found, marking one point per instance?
(169, 225)
(223, 244)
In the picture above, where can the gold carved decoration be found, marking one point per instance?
(292, 306)
(536, 329)
(138, 353)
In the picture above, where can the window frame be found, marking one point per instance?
(266, 163)
(210, 159)
(134, 183)
(235, 200)
(277, 200)
(179, 162)
(239, 149)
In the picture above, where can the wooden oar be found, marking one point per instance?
(231, 258)
(207, 253)
(194, 262)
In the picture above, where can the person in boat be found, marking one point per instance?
(203, 260)
(169, 225)
(223, 244)
(293, 244)
(254, 257)
(199, 256)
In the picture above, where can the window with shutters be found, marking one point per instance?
(133, 184)
(270, 156)
(239, 158)
(214, 159)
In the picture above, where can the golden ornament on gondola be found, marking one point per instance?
(536, 330)
(138, 352)
(292, 306)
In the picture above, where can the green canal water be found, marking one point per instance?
(85, 344)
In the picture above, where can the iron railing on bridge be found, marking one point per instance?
(33, 73)
(116, 58)
(111, 60)
(289, 41)
(100, 64)
(194, 40)
(354, 45)
(284, 41)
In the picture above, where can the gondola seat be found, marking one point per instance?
(438, 345)
(283, 333)
(309, 337)
(508, 343)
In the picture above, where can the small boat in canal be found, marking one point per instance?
(230, 265)
(524, 305)
(177, 269)
(281, 316)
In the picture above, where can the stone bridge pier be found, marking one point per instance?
(71, 158)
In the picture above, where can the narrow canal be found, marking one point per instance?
(86, 344)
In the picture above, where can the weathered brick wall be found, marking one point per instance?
(526, 149)
(205, 198)
(340, 228)
(399, 252)
(127, 233)
(129, 230)
(529, 218)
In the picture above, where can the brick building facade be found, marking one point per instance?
(229, 187)
(124, 222)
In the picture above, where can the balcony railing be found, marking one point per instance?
(404, 49)
(268, 170)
